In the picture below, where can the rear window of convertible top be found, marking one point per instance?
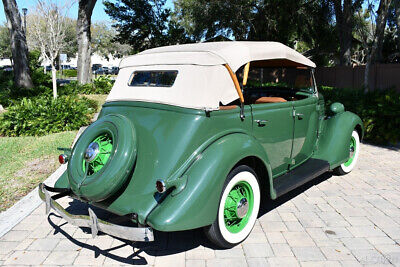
(153, 78)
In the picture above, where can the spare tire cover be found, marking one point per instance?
(102, 158)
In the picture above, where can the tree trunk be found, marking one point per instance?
(345, 48)
(19, 48)
(344, 14)
(54, 79)
(344, 30)
(397, 7)
(378, 36)
(366, 74)
(84, 40)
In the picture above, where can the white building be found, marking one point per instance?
(5, 62)
(96, 59)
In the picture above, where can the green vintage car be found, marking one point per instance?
(195, 136)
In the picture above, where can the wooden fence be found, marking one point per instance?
(382, 76)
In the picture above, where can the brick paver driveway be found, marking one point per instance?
(334, 220)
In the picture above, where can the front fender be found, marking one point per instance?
(197, 204)
(333, 144)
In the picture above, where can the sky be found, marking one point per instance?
(98, 13)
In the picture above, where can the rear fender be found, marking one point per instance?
(197, 204)
(63, 181)
(333, 144)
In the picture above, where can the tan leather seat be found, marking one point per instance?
(227, 107)
(269, 99)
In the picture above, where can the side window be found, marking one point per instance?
(278, 84)
(296, 78)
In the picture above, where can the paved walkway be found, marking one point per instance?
(349, 220)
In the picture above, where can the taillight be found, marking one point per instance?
(63, 159)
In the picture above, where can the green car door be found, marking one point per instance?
(273, 127)
(305, 129)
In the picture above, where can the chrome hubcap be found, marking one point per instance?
(92, 151)
(352, 151)
(242, 208)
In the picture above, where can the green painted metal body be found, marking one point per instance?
(193, 151)
(333, 144)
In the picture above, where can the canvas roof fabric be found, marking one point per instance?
(202, 81)
(195, 86)
(235, 54)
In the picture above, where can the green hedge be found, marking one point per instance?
(10, 94)
(379, 110)
(43, 115)
(70, 73)
(101, 85)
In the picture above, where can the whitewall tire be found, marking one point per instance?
(354, 147)
(238, 208)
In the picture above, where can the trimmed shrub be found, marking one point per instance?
(9, 94)
(43, 115)
(39, 78)
(70, 73)
(378, 109)
(42, 83)
(101, 85)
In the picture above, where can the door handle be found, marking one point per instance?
(261, 123)
(299, 115)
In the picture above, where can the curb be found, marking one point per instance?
(25, 206)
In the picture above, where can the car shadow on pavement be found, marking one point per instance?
(267, 205)
(165, 243)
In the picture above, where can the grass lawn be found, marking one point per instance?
(26, 161)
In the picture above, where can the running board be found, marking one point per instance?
(307, 171)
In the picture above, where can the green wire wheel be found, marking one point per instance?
(238, 208)
(354, 151)
(102, 147)
(103, 158)
(352, 148)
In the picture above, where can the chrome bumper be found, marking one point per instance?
(143, 234)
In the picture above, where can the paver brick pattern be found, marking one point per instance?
(347, 220)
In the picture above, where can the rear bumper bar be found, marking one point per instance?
(143, 234)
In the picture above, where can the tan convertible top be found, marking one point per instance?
(235, 54)
(205, 72)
